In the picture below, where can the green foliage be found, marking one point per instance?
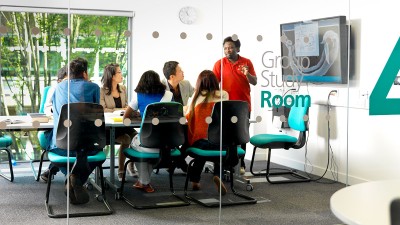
(30, 61)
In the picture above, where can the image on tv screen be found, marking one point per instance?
(315, 51)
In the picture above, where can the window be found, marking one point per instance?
(36, 43)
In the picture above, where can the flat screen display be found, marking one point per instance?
(315, 51)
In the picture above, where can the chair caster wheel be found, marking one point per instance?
(249, 187)
(100, 198)
(89, 186)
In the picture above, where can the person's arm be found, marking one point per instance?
(131, 110)
(103, 101)
(248, 70)
(48, 104)
(128, 112)
(252, 79)
(217, 70)
(124, 97)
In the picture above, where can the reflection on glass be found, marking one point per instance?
(34, 46)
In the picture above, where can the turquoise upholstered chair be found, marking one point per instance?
(5, 143)
(43, 141)
(231, 120)
(297, 120)
(162, 127)
(85, 133)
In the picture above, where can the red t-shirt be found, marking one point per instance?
(233, 80)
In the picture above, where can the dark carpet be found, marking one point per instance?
(23, 202)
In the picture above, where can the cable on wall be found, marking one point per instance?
(331, 164)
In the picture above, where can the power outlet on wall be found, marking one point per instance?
(334, 97)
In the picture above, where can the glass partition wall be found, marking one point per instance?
(298, 50)
(36, 43)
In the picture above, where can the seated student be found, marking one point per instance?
(113, 97)
(79, 90)
(149, 90)
(206, 95)
(61, 75)
(48, 105)
(180, 88)
(182, 91)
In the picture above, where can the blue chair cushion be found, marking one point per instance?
(263, 140)
(58, 159)
(133, 153)
(5, 141)
(211, 153)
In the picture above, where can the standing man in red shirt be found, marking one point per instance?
(236, 73)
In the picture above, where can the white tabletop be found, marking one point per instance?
(25, 122)
(367, 203)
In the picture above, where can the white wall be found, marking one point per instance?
(369, 146)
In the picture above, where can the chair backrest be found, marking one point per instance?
(395, 212)
(44, 97)
(234, 116)
(297, 114)
(296, 121)
(161, 125)
(87, 127)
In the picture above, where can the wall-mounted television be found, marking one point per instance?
(315, 51)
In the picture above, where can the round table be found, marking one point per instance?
(366, 203)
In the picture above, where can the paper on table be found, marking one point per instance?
(13, 121)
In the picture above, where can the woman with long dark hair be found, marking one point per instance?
(149, 90)
(113, 98)
(206, 95)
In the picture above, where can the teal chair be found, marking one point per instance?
(161, 128)
(229, 128)
(43, 141)
(297, 120)
(86, 133)
(5, 143)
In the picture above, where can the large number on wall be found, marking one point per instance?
(379, 104)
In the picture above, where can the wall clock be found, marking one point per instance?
(187, 15)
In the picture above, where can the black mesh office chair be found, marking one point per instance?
(229, 128)
(86, 132)
(162, 127)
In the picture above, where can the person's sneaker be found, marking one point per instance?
(81, 194)
(145, 187)
(45, 175)
(131, 170)
(220, 185)
(148, 188)
(242, 171)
